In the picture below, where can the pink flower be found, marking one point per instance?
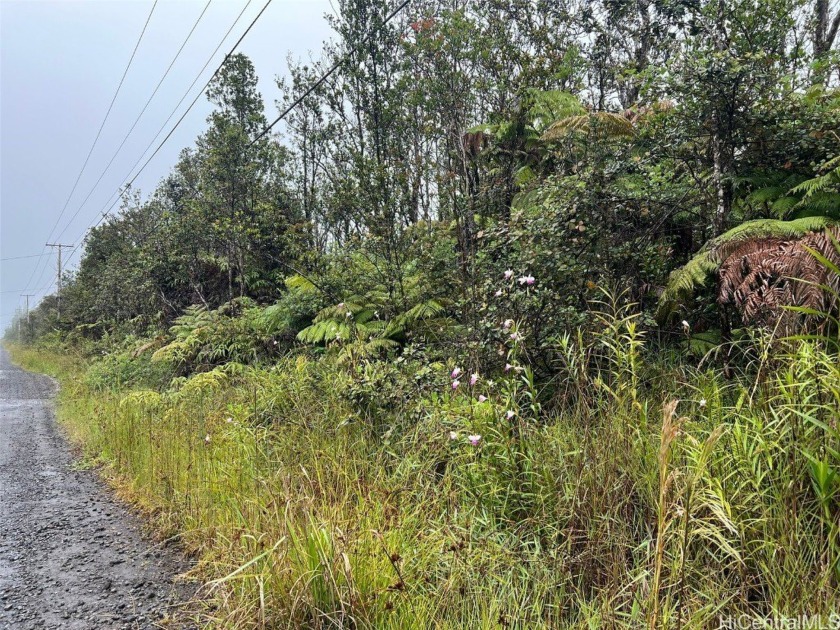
(508, 274)
(474, 439)
(508, 367)
(508, 323)
(455, 373)
(529, 280)
(510, 413)
(482, 398)
(455, 383)
(474, 379)
(515, 336)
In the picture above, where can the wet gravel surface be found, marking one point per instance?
(70, 555)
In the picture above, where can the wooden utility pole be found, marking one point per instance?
(58, 282)
(28, 319)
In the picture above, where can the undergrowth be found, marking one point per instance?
(659, 494)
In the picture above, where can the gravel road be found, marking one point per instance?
(70, 555)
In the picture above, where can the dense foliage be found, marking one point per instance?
(528, 317)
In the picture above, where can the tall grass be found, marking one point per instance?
(657, 495)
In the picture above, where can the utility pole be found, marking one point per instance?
(58, 283)
(28, 318)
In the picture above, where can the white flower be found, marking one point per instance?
(453, 435)
(207, 439)
(508, 274)
(702, 403)
(508, 323)
(686, 326)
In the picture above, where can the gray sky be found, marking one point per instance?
(60, 63)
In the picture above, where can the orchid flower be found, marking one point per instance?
(508, 274)
(455, 373)
(474, 379)
(474, 439)
(482, 398)
(455, 383)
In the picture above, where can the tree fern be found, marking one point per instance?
(827, 182)
(684, 281)
(608, 124)
(300, 283)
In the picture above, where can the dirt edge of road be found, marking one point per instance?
(72, 555)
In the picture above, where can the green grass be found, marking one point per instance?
(609, 511)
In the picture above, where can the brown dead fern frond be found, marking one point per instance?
(763, 277)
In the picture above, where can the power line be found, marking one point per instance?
(104, 212)
(20, 291)
(282, 115)
(181, 119)
(22, 257)
(98, 133)
(329, 73)
(136, 120)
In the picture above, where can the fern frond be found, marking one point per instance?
(684, 281)
(322, 331)
(339, 311)
(299, 283)
(609, 124)
(825, 182)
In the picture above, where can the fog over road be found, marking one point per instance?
(70, 555)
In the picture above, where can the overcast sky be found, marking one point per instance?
(60, 63)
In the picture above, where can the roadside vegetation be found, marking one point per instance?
(528, 320)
